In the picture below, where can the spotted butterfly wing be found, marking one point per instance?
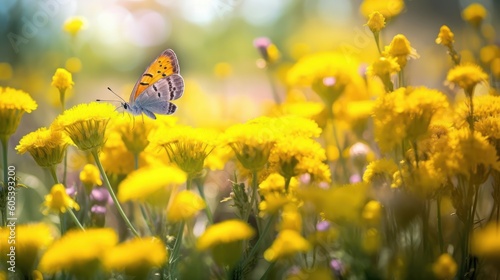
(164, 65)
(158, 85)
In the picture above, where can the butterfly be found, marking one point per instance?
(158, 85)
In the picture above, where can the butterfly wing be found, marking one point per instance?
(155, 99)
(166, 64)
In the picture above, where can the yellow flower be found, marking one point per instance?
(372, 212)
(62, 80)
(405, 114)
(474, 14)
(115, 157)
(90, 176)
(464, 153)
(485, 242)
(380, 172)
(133, 134)
(445, 37)
(13, 104)
(287, 244)
(423, 180)
(30, 240)
(275, 183)
(272, 203)
(444, 267)
(383, 68)
(136, 257)
(376, 22)
(327, 201)
(296, 156)
(291, 218)
(330, 74)
(153, 184)
(223, 70)
(488, 53)
(46, 146)
(467, 76)
(486, 116)
(73, 25)
(86, 124)
(225, 240)
(388, 9)
(73, 64)
(58, 200)
(401, 49)
(78, 252)
(187, 147)
(251, 142)
(184, 206)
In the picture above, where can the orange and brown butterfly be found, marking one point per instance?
(158, 85)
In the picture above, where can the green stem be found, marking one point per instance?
(175, 252)
(276, 96)
(262, 236)
(65, 166)
(207, 207)
(3, 189)
(401, 78)
(75, 219)
(136, 161)
(471, 112)
(341, 156)
(376, 36)
(112, 193)
(268, 270)
(62, 98)
(52, 170)
(439, 224)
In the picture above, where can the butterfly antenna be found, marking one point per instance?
(115, 95)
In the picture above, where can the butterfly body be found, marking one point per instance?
(158, 85)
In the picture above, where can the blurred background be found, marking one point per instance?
(213, 40)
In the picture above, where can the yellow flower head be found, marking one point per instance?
(376, 22)
(136, 257)
(187, 147)
(73, 25)
(401, 49)
(371, 241)
(444, 267)
(13, 104)
(273, 203)
(90, 176)
(380, 172)
(330, 74)
(30, 240)
(488, 53)
(474, 14)
(225, 240)
(46, 146)
(62, 80)
(115, 157)
(467, 76)
(486, 116)
(445, 37)
(134, 134)
(485, 242)
(372, 212)
(58, 201)
(184, 206)
(223, 70)
(388, 9)
(78, 252)
(73, 64)
(287, 244)
(86, 124)
(251, 142)
(291, 218)
(275, 183)
(383, 68)
(153, 184)
(296, 156)
(466, 153)
(405, 114)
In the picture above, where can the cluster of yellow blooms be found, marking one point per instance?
(357, 183)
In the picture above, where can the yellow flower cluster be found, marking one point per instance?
(46, 145)
(13, 104)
